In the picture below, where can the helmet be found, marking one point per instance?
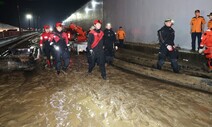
(97, 21)
(210, 14)
(46, 27)
(58, 24)
(108, 24)
(169, 20)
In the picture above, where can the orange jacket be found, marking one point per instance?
(210, 24)
(121, 34)
(207, 39)
(196, 24)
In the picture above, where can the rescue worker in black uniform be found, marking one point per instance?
(166, 37)
(95, 49)
(109, 41)
(59, 41)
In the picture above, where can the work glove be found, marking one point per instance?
(201, 50)
(51, 43)
(57, 48)
(116, 47)
(91, 52)
(170, 48)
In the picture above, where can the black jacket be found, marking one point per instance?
(99, 47)
(109, 38)
(61, 42)
(166, 36)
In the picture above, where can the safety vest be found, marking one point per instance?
(97, 38)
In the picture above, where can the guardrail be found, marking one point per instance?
(9, 34)
(7, 41)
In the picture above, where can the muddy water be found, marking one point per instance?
(42, 99)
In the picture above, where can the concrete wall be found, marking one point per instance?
(142, 18)
(86, 14)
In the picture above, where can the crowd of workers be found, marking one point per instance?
(101, 44)
(100, 47)
(166, 37)
(55, 44)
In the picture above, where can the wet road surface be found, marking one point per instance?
(43, 99)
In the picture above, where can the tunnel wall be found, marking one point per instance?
(142, 18)
(86, 14)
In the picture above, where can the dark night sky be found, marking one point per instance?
(49, 11)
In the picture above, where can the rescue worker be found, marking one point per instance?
(207, 42)
(210, 21)
(45, 44)
(59, 41)
(197, 28)
(95, 48)
(121, 36)
(109, 41)
(166, 37)
(88, 54)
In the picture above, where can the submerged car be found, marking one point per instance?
(20, 59)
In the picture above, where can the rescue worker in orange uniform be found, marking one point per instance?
(45, 44)
(207, 42)
(95, 49)
(121, 36)
(197, 28)
(210, 21)
(59, 41)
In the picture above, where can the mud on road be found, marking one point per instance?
(43, 99)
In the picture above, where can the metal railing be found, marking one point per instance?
(9, 34)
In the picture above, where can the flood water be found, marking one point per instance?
(43, 99)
